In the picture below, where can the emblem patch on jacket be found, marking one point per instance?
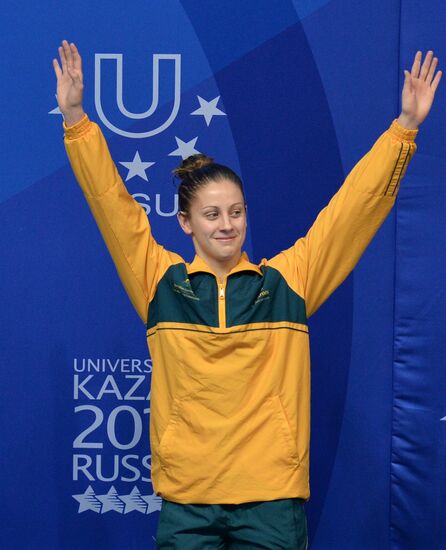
(263, 295)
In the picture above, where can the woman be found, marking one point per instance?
(230, 401)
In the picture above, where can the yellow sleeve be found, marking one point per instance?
(124, 225)
(319, 262)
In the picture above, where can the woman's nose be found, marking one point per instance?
(226, 224)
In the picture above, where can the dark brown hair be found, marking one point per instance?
(197, 171)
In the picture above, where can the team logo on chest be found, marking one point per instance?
(263, 295)
(185, 290)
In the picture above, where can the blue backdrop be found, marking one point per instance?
(290, 93)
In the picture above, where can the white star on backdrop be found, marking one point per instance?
(88, 501)
(185, 148)
(134, 501)
(101, 504)
(153, 502)
(137, 167)
(55, 111)
(208, 109)
(111, 501)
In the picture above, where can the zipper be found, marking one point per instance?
(222, 304)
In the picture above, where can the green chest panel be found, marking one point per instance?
(250, 298)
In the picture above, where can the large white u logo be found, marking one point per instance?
(157, 57)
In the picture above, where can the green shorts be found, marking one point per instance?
(272, 525)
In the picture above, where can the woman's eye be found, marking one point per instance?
(236, 213)
(211, 215)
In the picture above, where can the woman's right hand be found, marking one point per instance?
(70, 87)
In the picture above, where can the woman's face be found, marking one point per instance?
(217, 222)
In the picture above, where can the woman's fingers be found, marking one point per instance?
(430, 74)
(77, 60)
(416, 65)
(63, 59)
(71, 62)
(75, 76)
(408, 80)
(67, 52)
(426, 65)
(57, 69)
(426, 71)
(436, 81)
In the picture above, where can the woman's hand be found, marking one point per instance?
(419, 90)
(70, 87)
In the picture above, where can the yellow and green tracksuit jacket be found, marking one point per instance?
(230, 400)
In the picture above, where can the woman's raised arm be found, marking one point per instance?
(319, 262)
(124, 225)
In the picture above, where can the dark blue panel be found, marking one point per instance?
(360, 78)
(418, 514)
(230, 30)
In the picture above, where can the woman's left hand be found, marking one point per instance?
(419, 90)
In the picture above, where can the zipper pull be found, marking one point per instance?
(222, 292)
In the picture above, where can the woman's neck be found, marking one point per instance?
(221, 269)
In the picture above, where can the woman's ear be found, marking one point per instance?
(183, 220)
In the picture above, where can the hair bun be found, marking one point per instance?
(194, 162)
